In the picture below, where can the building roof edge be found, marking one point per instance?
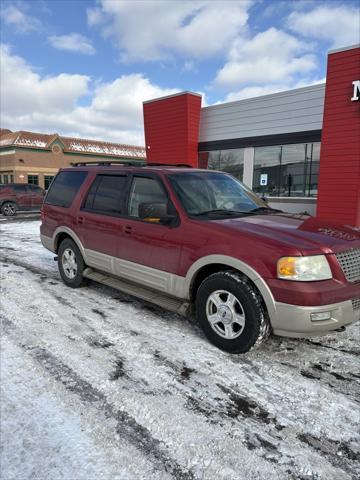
(350, 47)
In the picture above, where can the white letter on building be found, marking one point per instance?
(356, 91)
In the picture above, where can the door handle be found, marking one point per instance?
(127, 229)
(80, 220)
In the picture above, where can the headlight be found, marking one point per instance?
(304, 269)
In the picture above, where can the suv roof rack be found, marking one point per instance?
(179, 165)
(107, 164)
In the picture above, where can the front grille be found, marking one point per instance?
(356, 303)
(350, 264)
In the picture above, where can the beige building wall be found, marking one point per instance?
(18, 164)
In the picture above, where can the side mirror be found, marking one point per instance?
(156, 212)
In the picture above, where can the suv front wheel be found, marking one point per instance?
(231, 313)
(71, 264)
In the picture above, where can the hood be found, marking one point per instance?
(308, 234)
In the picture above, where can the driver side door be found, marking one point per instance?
(148, 251)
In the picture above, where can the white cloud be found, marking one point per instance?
(150, 31)
(73, 42)
(51, 104)
(24, 91)
(94, 16)
(339, 25)
(270, 57)
(15, 16)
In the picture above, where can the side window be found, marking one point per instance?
(145, 190)
(33, 179)
(106, 194)
(35, 189)
(19, 188)
(64, 188)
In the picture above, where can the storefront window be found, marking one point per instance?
(33, 179)
(294, 170)
(230, 161)
(47, 181)
(287, 171)
(266, 179)
(314, 170)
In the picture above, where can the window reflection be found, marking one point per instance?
(287, 170)
(266, 179)
(279, 170)
(230, 161)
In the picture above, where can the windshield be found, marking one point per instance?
(206, 193)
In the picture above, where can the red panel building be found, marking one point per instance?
(172, 129)
(299, 148)
(339, 179)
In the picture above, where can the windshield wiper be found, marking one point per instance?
(265, 209)
(219, 211)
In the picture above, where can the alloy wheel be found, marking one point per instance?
(225, 314)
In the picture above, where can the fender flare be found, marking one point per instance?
(237, 265)
(71, 234)
(10, 200)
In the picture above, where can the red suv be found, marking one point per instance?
(20, 196)
(199, 240)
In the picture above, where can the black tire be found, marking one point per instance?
(77, 280)
(247, 305)
(8, 209)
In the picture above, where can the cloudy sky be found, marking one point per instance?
(84, 67)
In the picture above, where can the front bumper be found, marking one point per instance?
(297, 321)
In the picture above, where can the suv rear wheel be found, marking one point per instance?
(71, 264)
(231, 313)
(8, 209)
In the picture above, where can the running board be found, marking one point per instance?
(176, 305)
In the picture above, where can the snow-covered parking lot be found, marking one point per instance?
(97, 385)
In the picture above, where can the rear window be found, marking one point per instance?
(35, 188)
(64, 188)
(19, 188)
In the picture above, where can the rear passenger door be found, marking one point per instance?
(144, 243)
(36, 196)
(100, 220)
(23, 196)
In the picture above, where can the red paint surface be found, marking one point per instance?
(172, 129)
(339, 178)
(26, 199)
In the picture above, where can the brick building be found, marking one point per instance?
(28, 157)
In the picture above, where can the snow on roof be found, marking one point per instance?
(7, 138)
(41, 140)
(27, 142)
(108, 149)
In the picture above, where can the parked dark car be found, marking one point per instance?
(199, 240)
(20, 196)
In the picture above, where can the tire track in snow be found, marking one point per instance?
(126, 426)
(261, 441)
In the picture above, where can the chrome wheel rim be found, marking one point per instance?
(9, 209)
(69, 263)
(225, 314)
